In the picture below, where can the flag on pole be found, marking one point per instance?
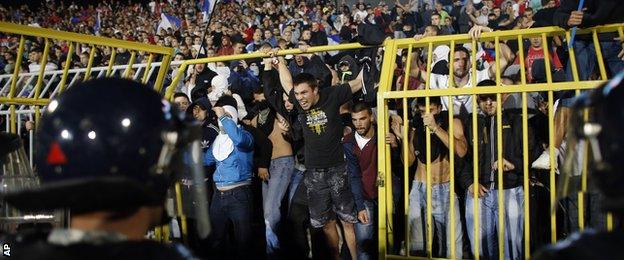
(168, 21)
(98, 24)
(207, 8)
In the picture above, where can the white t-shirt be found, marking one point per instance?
(361, 141)
(35, 67)
(361, 14)
(442, 81)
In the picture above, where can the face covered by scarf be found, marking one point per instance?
(223, 144)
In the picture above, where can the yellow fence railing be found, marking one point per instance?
(386, 94)
(49, 36)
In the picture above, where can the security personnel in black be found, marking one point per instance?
(106, 152)
(599, 139)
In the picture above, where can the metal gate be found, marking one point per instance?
(392, 246)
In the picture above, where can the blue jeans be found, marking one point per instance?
(231, 207)
(593, 214)
(294, 183)
(514, 221)
(586, 61)
(366, 234)
(440, 213)
(280, 170)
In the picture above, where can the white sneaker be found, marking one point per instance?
(543, 162)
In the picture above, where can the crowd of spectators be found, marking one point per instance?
(297, 110)
(246, 24)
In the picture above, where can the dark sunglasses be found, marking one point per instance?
(485, 97)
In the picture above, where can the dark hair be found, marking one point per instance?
(361, 106)
(436, 100)
(434, 28)
(486, 83)
(180, 94)
(305, 78)
(459, 49)
(36, 49)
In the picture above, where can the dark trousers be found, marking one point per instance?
(231, 208)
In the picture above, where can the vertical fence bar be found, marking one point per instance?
(130, 63)
(451, 134)
(180, 75)
(383, 125)
(12, 119)
(164, 68)
(428, 159)
(44, 61)
(180, 211)
(580, 194)
(551, 144)
(600, 60)
(18, 61)
(475, 157)
(499, 144)
(111, 61)
(525, 153)
(148, 66)
(405, 147)
(66, 68)
(90, 63)
(386, 155)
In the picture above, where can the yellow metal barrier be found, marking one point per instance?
(72, 39)
(385, 94)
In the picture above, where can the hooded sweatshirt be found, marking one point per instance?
(232, 153)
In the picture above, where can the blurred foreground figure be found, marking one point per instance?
(598, 140)
(108, 151)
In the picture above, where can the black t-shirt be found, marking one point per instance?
(322, 127)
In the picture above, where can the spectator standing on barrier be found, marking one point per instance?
(360, 148)
(232, 153)
(326, 177)
(437, 122)
(488, 187)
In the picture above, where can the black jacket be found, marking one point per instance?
(512, 149)
(599, 12)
